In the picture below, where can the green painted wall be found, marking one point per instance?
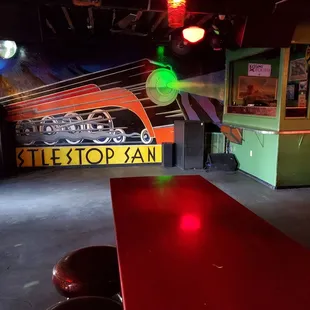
(291, 123)
(293, 160)
(294, 150)
(280, 160)
(295, 124)
(263, 162)
(252, 121)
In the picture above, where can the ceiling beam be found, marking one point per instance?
(204, 19)
(68, 18)
(158, 21)
(91, 20)
(49, 25)
(138, 16)
(227, 7)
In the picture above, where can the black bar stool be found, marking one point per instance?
(87, 303)
(91, 271)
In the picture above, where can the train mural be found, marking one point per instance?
(127, 104)
(87, 115)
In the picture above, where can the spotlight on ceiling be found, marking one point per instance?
(193, 34)
(7, 49)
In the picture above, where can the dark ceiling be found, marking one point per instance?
(62, 21)
(202, 6)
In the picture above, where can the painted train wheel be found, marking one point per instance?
(25, 128)
(74, 126)
(121, 138)
(145, 137)
(48, 127)
(100, 121)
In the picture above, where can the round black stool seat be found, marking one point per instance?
(87, 303)
(91, 271)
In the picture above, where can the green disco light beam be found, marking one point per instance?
(157, 87)
(160, 53)
(163, 87)
(164, 178)
(199, 88)
(161, 181)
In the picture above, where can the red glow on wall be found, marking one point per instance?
(193, 34)
(176, 13)
(190, 222)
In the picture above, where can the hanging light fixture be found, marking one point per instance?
(7, 49)
(176, 13)
(193, 34)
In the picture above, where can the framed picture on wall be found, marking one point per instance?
(290, 92)
(260, 88)
(298, 70)
(303, 85)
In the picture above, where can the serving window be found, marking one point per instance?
(254, 84)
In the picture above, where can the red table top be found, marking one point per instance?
(183, 244)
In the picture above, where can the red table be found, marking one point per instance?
(183, 244)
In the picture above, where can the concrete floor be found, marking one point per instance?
(47, 213)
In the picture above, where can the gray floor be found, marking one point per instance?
(48, 213)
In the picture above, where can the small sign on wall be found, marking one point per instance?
(259, 70)
(302, 100)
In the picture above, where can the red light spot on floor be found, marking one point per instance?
(190, 222)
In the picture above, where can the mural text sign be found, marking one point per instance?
(88, 155)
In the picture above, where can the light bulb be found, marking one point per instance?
(7, 49)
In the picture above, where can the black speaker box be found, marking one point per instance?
(189, 137)
(222, 162)
(168, 150)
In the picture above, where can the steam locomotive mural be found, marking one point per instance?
(127, 104)
(70, 112)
